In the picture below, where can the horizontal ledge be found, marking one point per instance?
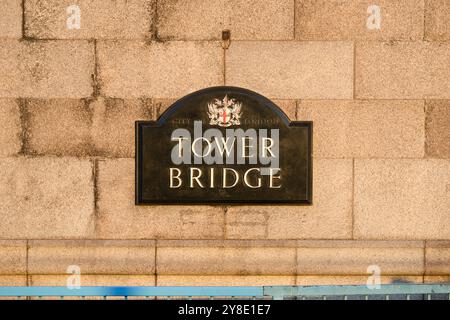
(92, 243)
(325, 243)
(251, 243)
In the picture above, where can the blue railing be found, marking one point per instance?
(402, 291)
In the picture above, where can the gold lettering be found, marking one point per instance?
(272, 177)
(201, 155)
(246, 178)
(236, 177)
(196, 177)
(180, 145)
(211, 178)
(267, 147)
(246, 147)
(172, 177)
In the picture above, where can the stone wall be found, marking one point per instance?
(379, 99)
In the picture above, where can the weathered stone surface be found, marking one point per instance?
(354, 257)
(402, 199)
(436, 279)
(329, 217)
(92, 256)
(325, 257)
(11, 21)
(438, 128)
(437, 23)
(13, 257)
(225, 258)
(158, 69)
(72, 127)
(7, 281)
(59, 127)
(437, 257)
(347, 20)
(10, 128)
(120, 218)
(291, 70)
(247, 222)
(224, 243)
(205, 19)
(364, 128)
(161, 105)
(46, 198)
(225, 261)
(46, 69)
(402, 70)
(225, 280)
(106, 19)
(289, 107)
(94, 280)
(113, 130)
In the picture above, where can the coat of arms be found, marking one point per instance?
(224, 113)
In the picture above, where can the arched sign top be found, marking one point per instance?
(228, 91)
(223, 145)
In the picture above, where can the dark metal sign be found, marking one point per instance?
(223, 145)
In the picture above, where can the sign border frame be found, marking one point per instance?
(139, 124)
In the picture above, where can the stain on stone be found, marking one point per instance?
(35, 16)
(37, 71)
(191, 219)
(24, 27)
(24, 126)
(95, 173)
(87, 107)
(113, 128)
(112, 104)
(149, 110)
(391, 43)
(188, 217)
(159, 106)
(247, 219)
(36, 67)
(437, 129)
(428, 126)
(95, 77)
(86, 146)
(152, 8)
(59, 127)
(226, 39)
(400, 281)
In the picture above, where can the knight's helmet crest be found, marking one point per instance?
(225, 112)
